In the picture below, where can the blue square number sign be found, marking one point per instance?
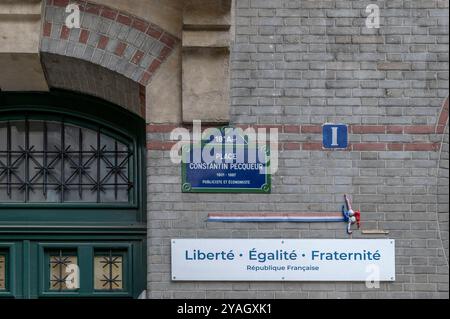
(335, 136)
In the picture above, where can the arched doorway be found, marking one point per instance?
(72, 197)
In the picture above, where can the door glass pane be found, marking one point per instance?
(62, 271)
(17, 135)
(3, 158)
(114, 170)
(108, 272)
(51, 161)
(12, 162)
(2, 272)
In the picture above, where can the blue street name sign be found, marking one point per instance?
(225, 164)
(335, 136)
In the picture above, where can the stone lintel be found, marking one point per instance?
(22, 72)
(206, 39)
(206, 85)
(20, 63)
(20, 7)
(207, 14)
(206, 61)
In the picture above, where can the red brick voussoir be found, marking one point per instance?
(443, 118)
(313, 130)
(139, 57)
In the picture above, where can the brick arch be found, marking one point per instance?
(116, 40)
(442, 186)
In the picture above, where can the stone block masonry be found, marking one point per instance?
(296, 65)
(117, 40)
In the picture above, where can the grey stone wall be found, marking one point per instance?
(121, 50)
(91, 79)
(309, 62)
(443, 193)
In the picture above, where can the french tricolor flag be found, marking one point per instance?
(275, 217)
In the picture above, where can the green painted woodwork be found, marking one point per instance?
(27, 231)
(83, 111)
(186, 188)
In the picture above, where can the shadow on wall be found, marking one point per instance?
(81, 76)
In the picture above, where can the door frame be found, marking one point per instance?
(26, 227)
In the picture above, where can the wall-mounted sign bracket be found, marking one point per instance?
(347, 215)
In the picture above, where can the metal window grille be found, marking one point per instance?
(54, 161)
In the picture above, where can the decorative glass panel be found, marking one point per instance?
(62, 275)
(2, 272)
(108, 272)
(49, 161)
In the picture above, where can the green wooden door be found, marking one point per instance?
(71, 269)
(72, 198)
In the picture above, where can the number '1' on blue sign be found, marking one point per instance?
(335, 136)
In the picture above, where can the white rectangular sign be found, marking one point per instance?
(283, 259)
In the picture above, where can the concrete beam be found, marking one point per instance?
(206, 61)
(206, 39)
(20, 25)
(207, 14)
(17, 7)
(164, 92)
(206, 85)
(22, 72)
